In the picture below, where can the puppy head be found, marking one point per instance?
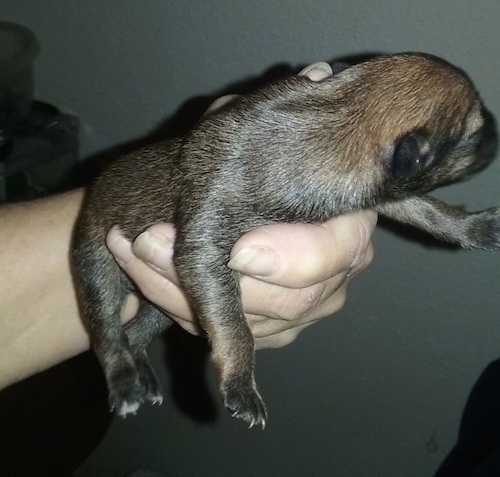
(416, 120)
(387, 128)
(421, 160)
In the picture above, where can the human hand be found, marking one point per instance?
(292, 275)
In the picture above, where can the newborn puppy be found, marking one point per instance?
(376, 135)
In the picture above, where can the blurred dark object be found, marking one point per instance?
(38, 143)
(477, 451)
(39, 154)
(18, 49)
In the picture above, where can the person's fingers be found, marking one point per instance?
(303, 254)
(283, 303)
(278, 332)
(120, 247)
(301, 281)
(300, 255)
(155, 246)
(219, 103)
(281, 338)
(154, 286)
(317, 71)
(275, 314)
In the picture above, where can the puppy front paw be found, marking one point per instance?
(245, 403)
(484, 230)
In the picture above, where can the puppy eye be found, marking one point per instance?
(407, 160)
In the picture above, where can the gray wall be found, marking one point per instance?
(378, 389)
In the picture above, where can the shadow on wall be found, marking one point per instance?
(179, 124)
(186, 117)
(477, 451)
(186, 360)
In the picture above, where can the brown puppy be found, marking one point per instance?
(376, 135)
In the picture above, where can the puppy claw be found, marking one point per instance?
(154, 400)
(262, 424)
(245, 403)
(149, 380)
(251, 422)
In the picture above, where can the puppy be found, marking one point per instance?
(376, 135)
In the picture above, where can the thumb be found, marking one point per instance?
(300, 255)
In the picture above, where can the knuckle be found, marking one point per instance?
(299, 302)
(364, 263)
(334, 302)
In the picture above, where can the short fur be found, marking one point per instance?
(376, 135)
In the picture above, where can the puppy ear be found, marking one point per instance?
(407, 159)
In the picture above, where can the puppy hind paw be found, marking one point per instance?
(128, 403)
(149, 380)
(245, 403)
(127, 408)
(126, 394)
(154, 393)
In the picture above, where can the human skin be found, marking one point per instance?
(292, 275)
(40, 322)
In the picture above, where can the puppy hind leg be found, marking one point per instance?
(146, 325)
(103, 291)
(215, 293)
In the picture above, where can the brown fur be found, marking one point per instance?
(375, 135)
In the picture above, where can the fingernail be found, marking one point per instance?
(122, 251)
(317, 71)
(259, 261)
(155, 249)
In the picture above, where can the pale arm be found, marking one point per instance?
(40, 324)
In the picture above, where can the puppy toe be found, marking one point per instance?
(126, 393)
(245, 403)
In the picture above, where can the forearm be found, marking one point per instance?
(40, 321)
(40, 324)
